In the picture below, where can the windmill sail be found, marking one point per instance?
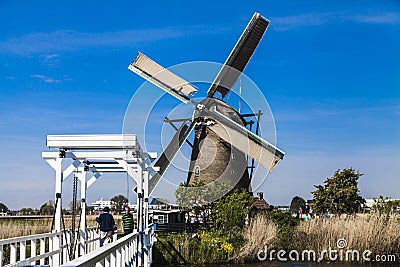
(225, 128)
(249, 143)
(163, 78)
(240, 55)
(170, 152)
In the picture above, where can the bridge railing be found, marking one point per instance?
(126, 251)
(40, 249)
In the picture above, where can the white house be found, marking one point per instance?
(101, 204)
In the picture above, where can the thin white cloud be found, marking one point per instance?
(50, 43)
(10, 78)
(51, 60)
(67, 40)
(45, 79)
(286, 23)
(50, 56)
(68, 78)
(382, 18)
(315, 19)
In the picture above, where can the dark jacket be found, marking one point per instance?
(106, 221)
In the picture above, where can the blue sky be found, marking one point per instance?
(329, 70)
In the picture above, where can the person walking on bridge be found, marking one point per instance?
(127, 221)
(106, 225)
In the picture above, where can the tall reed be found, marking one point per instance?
(259, 233)
(379, 234)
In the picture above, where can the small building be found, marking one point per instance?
(283, 209)
(260, 205)
(370, 202)
(101, 204)
(168, 221)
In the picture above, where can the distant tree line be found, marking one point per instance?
(385, 205)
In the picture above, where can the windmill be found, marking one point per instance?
(222, 142)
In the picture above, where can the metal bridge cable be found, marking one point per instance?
(65, 233)
(73, 228)
(63, 222)
(54, 214)
(127, 177)
(76, 239)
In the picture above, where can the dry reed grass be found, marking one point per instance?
(379, 234)
(14, 227)
(259, 233)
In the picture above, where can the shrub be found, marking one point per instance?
(286, 224)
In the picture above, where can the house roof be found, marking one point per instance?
(261, 204)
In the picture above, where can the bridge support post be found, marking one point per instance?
(140, 198)
(83, 233)
(146, 237)
(143, 257)
(146, 198)
(56, 244)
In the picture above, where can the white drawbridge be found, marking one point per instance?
(88, 157)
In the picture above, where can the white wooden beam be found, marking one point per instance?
(93, 141)
(71, 168)
(91, 155)
(52, 162)
(93, 179)
(134, 174)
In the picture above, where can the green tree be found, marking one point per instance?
(298, 202)
(119, 202)
(47, 208)
(191, 195)
(3, 208)
(197, 197)
(339, 194)
(230, 212)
